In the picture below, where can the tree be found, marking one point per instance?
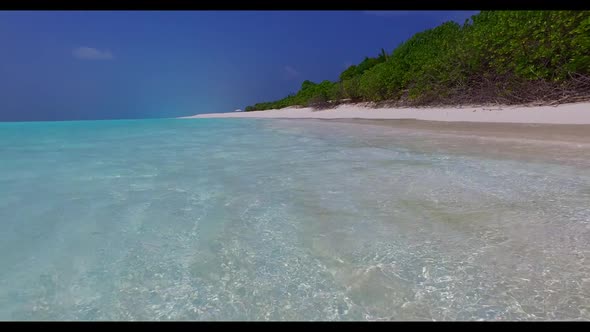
(512, 56)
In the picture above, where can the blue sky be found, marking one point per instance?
(147, 64)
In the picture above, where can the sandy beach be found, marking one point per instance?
(574, 113)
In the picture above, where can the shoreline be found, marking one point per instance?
(571, 113)
(557, 144)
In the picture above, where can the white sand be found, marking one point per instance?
(574, 113)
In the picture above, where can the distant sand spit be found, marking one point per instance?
(574, 113)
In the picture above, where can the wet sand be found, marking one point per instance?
(552, 143)
(566, 133)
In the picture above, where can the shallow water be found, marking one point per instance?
(242, 219)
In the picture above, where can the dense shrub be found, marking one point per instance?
(506, 56)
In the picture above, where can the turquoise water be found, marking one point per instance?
(241, 219)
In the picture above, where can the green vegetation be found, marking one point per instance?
(497, 56)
